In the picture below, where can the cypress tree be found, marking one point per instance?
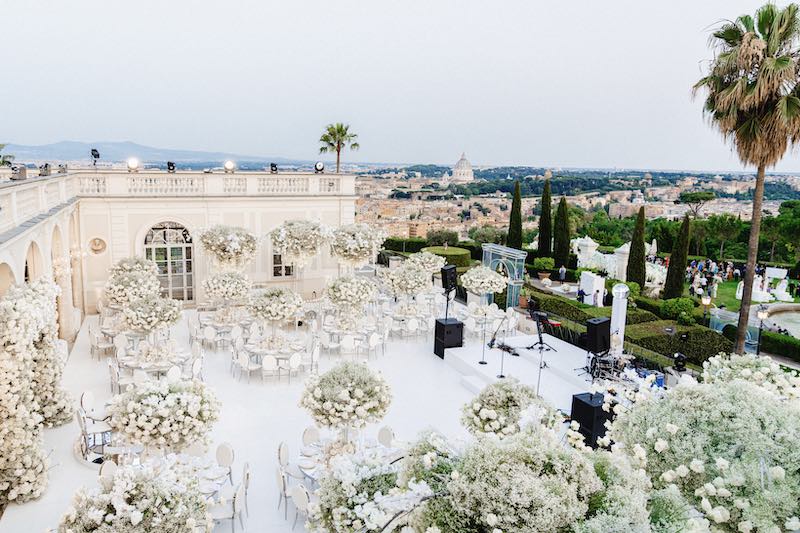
(636, 271)
(676, 273)
(561, 227)
(546, 222)
(514, 239)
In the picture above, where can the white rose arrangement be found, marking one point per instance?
(655, 274)
(351, 292)
(759, 370)
(499, 409)
(275, 304)
(125, 287)
(427, 261)
(152, 313)
(164, 415)
(227, 286)
(230, 246)
(409, 279)
(133, 264)
(154, 497)
(350, 395)
(299, 240)
(483, 280)
(356, 244)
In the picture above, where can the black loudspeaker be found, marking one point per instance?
(449, 277)
(598, 334)
(587, 411)
(449, 333)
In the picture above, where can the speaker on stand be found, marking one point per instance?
(449, 332)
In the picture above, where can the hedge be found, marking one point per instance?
(780, 344)
(648, 304)
(700, 344)
(571, 275)
(414, 244)
(474, 248)
(577, 312)
(454, 255)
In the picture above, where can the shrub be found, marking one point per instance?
(414, 244)
(454, 255)
(700, 344)
(438, 237)
(686, 319)
(780, 344)
(672, 309)
(729, 332)
(578, 312)
(648, 304)
(544, 263)
(633, 288)
(474, 248)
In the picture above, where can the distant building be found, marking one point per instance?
(462, 172)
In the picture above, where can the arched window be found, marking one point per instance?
(170, 245)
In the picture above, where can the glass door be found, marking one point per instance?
(169, 245)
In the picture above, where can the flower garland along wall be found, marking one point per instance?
(29, 389)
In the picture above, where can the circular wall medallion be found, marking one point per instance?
(97, 245)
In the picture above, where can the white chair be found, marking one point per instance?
(269, 367)
(230, 493)
(174, 374)
(232, 511)
(469, 327)
(412, 327)
(92, 413)
(197, 349)
(326, 341)
(140, 376)
(99, 345)
(290, 469)
(290, 365)
(310, 441)
(373, 342)
(91, 432)
(301, 500)
(236, 332)
(283, 491)
(347, 345)
(107, 469)
(121, 343)
(197, 369)
(246, 365)
(311, 360)
(386, 436)
(210, 337)
(225, 458)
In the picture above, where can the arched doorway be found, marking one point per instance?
(169, 244)
(33, 263)
(76, 265)
(7, 278)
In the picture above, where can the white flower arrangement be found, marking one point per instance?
(230, 246)
(655, 274)
(351, 292)
(125, 287)
(275, 304)
(164, 415)
(133, 264)
(350, 395)
(603, 263)
(299, 240)
(728, 448)
(483, 280)
(356, 244)
(499, 408)
(427, 261)
(156, 354)
(406, 280)
(759, 370)
(152, 313)
(356, 493)
(149, 498)
(227, 286)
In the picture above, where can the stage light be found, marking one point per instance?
(44, 169)
(133, 165)
(170, 167)
(319, 167)
(229, 166)
(273, 168)
(680, 362)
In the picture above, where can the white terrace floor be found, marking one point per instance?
(255, 417)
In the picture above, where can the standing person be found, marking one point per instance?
(562, 273)
(596, 299)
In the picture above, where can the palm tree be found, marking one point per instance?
(336, 138)
(753, 98)
(5, 159)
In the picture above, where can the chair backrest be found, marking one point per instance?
(238, 500)
(197, 368)
(197, 350)
(300, 498)
(224, 454)
(140, 376)
(269, 362)
(412, 325)
(238, 342)
(236, 332)
(87, 400)
(283, 454)
(244, 360)
(80, 416)
(174, 374)
(348, 343)
(325, 338)
(295, 360)
(315, 353)
(107, 469)
(209, 333)
(121, 342)
(280, 477)
(310, 436)
(374, 340)
(246, 476)
(386, 436)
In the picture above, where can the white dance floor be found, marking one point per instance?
(256, 417)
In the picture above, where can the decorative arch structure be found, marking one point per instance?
(7, 278)
(511, 260)
(34, 262)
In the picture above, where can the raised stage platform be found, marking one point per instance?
(559, 380)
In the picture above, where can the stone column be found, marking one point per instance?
(619, 311)
(621, 255)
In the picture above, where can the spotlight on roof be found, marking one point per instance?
(170, 167)
(273, 168)
(206, 171)
(133, 165)
(62, 168)
(95, 153)
(229, 166)
(44, 169)
(19, 172)
(319, 168)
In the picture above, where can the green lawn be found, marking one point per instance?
(726, 295)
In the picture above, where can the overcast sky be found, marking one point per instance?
(556, 83)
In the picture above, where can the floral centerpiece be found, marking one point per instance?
(230, 246)
(275, 304)
(155, 496)
(409, 279)
(133, 264)
(356, 244)
(483, 280)
(761, 371)
(158, 353)
(151, 313)
(350, 395)
(227, 286)
(498, 409)
(351, 292)
(164, 414)
(729, 449)
(298, 240)
(125, 287)
(427, 261)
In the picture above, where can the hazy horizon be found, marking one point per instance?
(573, 85)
